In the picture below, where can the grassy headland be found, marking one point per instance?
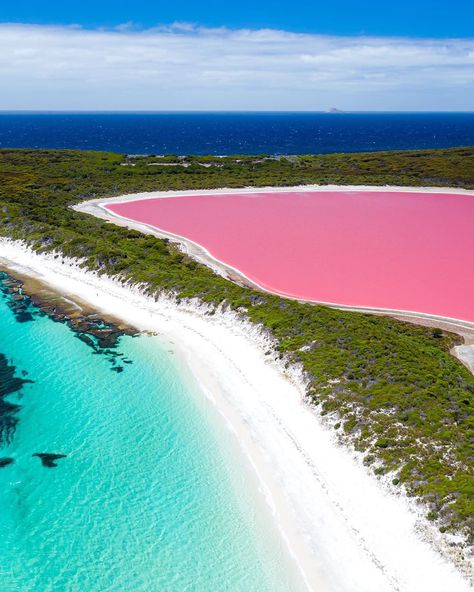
(391, 387)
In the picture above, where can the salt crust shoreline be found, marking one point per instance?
(346, 530)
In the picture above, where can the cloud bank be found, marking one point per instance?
(185, 67)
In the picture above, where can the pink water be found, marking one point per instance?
(406, 251)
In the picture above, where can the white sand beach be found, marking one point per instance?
(346, 530)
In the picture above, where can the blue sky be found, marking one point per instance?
(209, 55)
(413, 18)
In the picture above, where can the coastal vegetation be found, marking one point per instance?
(389, 387)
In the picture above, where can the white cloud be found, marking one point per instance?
(185, 67)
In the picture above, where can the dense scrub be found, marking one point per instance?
(391, 387)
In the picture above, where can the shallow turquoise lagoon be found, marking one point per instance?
(153, 494)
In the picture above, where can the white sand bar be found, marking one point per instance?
(345, 529)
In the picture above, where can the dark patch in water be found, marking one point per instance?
(5, 461)
(87, 339)
(9, 385)
(17, 302)
(102, 337)
(48, 459)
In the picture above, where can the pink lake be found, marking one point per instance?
(404, 251)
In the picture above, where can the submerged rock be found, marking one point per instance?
(5, 461)
(100, 335)
(10, 384)
(18, 303)
(48, 459)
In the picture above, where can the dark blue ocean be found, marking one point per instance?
(236, 133)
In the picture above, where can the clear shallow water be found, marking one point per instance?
(236, 133)
(151, 495)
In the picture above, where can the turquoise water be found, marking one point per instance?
(152, 494)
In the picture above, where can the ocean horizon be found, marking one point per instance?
(226, 133)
